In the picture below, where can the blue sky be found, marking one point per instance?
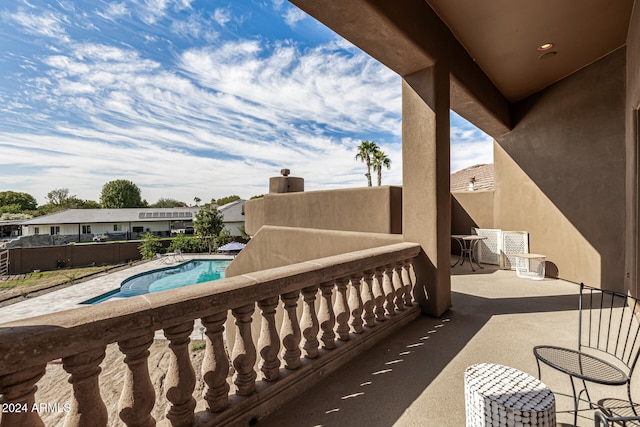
(191, 98)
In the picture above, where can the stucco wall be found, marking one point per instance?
(370, 210)
(632, 145)
(275, 246)
(471, 209)
(24, 260)
(560, 174)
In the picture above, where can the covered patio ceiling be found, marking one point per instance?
(490, 47)
(507, 37)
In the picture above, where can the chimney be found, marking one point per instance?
(285, 183)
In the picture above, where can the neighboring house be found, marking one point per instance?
(82, 225)
(473, 178)
(119, 223)
(233, 217)
(9, 229)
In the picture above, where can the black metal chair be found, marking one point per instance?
(616, 412)
(608, 346)
(602, 420)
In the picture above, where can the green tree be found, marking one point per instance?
(224, 237)
(150, 246)
(59, 199)
(378, 161)
(208, 224)
(14, 216)
(11, 209)
(257, 196)
(197, 200)
(366, 149)
(88, 204)
(59, 196)
(121, 193)
(24, 201)
(243, 232)
(224, 200)
(168, 203)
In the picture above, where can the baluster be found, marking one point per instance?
(181, 378)
(378, 294)
(244, 352)
(408, 285)
(138, 395)
(398, 286)
(215, 366)
(389, 290)
(18, 389)
(342, 310)
(368, 302)
(309, 323)
(355, 303)
(87, 407)
(269, 341)
(326, 316)
(290, 331)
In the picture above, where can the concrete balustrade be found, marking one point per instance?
(332, 310)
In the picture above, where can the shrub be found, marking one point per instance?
(198, 345)
(187, 244)
(149, 246)
(224, 237)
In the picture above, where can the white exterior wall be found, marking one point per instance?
(65, 229)
(234, 228)
(103, 228)
(99, 228)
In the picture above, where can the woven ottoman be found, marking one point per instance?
(497, 395)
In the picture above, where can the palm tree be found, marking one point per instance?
(366, 149)
(197, 200)
(379, 160)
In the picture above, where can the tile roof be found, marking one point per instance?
(482, 175)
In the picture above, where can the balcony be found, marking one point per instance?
(415, 377)
(293, 325)
(333, 356)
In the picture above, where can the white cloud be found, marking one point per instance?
(220, 119)
(293, 15)
(319, 85)
(152, 11)
(222, 16)
(48, 24)
(469, 147)
(114, 11)
(195, 26)
(243, 110)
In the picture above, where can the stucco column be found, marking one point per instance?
(426, 200)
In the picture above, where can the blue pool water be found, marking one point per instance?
(185, 274)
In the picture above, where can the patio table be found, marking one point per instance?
(498, 395)
(468, 247)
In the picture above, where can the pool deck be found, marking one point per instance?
(72, 296)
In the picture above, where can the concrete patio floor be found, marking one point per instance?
(415, 378)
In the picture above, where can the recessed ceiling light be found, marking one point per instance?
(545, 46)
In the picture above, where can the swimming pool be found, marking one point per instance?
(185, 274)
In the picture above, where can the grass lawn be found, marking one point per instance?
(46, 279)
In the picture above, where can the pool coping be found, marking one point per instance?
(72, 297)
